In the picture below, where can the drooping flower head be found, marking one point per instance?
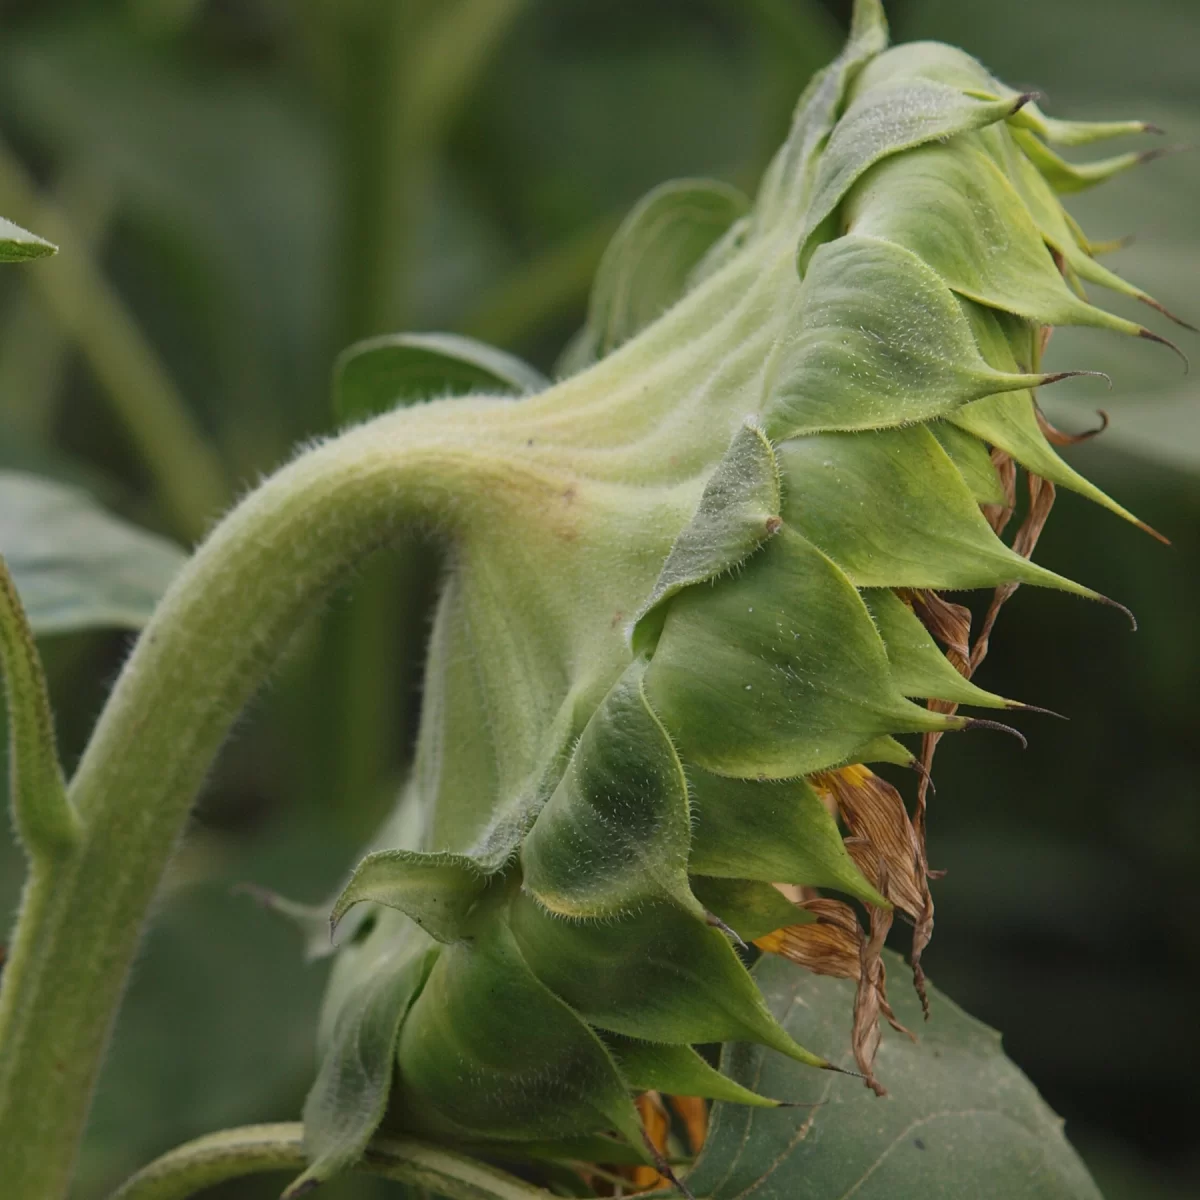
(701, 596)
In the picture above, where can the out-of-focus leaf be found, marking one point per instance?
(961, 1119)
(647, 264)
(382, 373)
(19, 245)
(76, 566)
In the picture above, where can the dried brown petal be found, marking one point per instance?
(1041, 501)
(827, 946)
(1059, 437)
(875, 814)
(999, 515)
(948, 623)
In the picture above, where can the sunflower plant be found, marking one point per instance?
(696, 590)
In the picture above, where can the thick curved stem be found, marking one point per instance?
(219, 630)
(256, 1149)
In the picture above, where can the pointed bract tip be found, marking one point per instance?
(1120, 608)
(978, 723)
(1033, 708)
(925, 773)
(1166, 312)
(1162, 341)
(303, 1188)
(1166, 151)
(730, 933)
(1159, 537)
(1023, 99)
(1150, 127)
(1055, 376)
(1111, 245)
(828, 1066)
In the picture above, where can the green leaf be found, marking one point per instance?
(773, 831)
(531, 1068)
(438, 891)
(881, 341)
(919, 668)
(678, 1071)
(972, 459)
(1066, 177)
(792, 640)
(648, 264)
(749, 907)
(42, 816)
(348, 1099)
(74, 565)
(1009, 422)
(890, 508)
(661, 975)
(381, 373)
(738, 511)
(19, 245)
(882, 122)
(616, 831)
(1056, 226)
(953, 206)
(960, 1120)
(785, 182)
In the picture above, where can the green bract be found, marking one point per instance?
(689, 590)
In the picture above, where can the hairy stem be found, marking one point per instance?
(217, 634)
(255, 1149)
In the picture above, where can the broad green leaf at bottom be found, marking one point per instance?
(960, 1120)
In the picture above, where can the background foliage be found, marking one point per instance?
(239, 189)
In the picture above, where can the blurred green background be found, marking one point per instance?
(241, 187)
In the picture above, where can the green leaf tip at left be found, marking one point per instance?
(19, 245)
(42, 816)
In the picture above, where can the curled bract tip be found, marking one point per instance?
(1023, 99)
(1166, 312)
(1151, 336)
(979, 723)
(1121, 607)
(731, 933)
(1055, 376)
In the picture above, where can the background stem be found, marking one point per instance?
(254, 1149)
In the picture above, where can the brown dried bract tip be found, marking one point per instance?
(1170, 345)
(1059, 437)
(773, 525)
(1120, 607)
(1055, 376)
(978, 723)
(1023, 99)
